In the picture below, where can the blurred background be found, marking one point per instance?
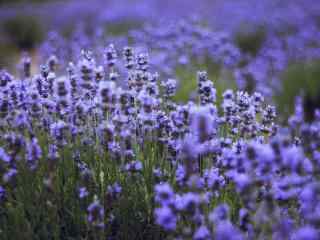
(271, 46)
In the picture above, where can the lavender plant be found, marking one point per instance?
(99, 149)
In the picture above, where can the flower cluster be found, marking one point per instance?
(104, 146)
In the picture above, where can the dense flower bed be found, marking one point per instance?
(103, 151)
(161, 121)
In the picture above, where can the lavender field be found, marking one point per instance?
(160, 119)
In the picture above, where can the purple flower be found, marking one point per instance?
(53, 153)
(195, 182)
(242, 181)
(110, 55)
(219, 214)
(180, 174)
(203, 123)
(166, 218)
(188, 202)
(128, 55)
(114, 190)
(34, 153)
(2, 193)
(164, 194)
(58, 131)
(158, 173)
(202, 233)
(306, 233)
(283, 230)
(225, 230)
(292, 157)
(21, 120)
(134, 166)
(170, 87)
(96, 214)
(83, 192)
(4, 156)
(142, 61)
(213, 179)
(10, 175)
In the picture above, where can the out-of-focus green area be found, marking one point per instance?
(222, 79)
(249, 39)
(23, 32)
(300, 79)
(19, 33)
